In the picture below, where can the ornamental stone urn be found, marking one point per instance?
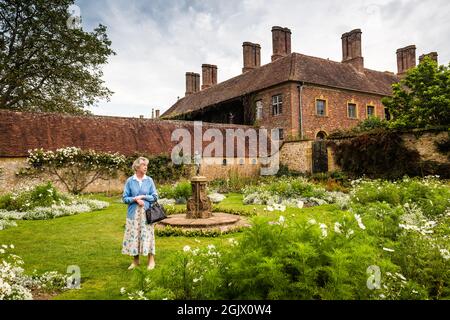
(199, 205)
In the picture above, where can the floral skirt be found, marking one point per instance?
(139, 238)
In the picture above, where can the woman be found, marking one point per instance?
(139, 193)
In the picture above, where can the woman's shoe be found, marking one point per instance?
(132, 266)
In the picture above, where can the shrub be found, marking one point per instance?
(44, 195)
(160, 168)
(431, 195)
(371, 123)
(183, 189)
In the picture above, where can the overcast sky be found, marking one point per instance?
(157, 41)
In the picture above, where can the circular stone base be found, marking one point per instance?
(219, 220)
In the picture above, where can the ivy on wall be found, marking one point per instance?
(383, 155)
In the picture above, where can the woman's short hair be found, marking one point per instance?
(138, 161)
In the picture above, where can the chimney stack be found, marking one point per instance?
(157, 113)
(281, 42)
(406, 59)
(433, 56)
(192, 83)
(351, 49)
(252, 56)
(209, 75)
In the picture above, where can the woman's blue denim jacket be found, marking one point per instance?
(132, 190)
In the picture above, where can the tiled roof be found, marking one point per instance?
(293, 67)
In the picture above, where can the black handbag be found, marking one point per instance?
(155, 213)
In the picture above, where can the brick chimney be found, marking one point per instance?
(252, 56)
(406, 59)
(192, 83)
(281, 42)
(209, 75)
(433, 55)
(351, 49)
(157, 113)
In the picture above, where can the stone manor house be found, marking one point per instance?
(304, 97)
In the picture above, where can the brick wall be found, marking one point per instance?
(336, 117)
(283, 120)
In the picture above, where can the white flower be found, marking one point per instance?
(400, 276)
(445, 254)
(281, 219)
(388, 250)
(337, 227)
(323, 227)
(122, 290)
(2, 251)
(4, 246)
(196, 280)
(358, 219)
(11, 246)
(211, 246)
(312, 221)
(186, 248)
(269, 208)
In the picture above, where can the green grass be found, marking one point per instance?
(93, 242)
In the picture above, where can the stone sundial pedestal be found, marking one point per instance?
(199, 205)
(199, 214)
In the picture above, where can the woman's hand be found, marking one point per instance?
(139, 197)
(140, 202)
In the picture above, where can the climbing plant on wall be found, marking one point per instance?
(76, 169)
(383, 154)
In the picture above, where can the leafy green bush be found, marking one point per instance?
(183, 189)
(160, 168)
(431, 195)
(287, 188)
(179, 190)
(371, 123)
(44, 195)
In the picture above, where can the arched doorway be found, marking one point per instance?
(320, 154)
(321, 135)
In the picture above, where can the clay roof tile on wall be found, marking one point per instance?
(23, 131)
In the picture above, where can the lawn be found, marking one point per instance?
(93, 240)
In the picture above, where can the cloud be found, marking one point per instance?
(158, 41)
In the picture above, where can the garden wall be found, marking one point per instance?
(419, 147)
(214, 170)
(297, 155)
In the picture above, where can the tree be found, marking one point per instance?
(45, 65)
(422, 98)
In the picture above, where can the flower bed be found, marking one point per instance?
(16, 285)
(292, 192)
(388, 244)
(41, 203)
